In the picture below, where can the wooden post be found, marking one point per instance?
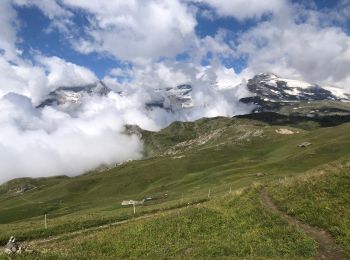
(134, 208)
(45, 222)
(230, 189)
(209, 194)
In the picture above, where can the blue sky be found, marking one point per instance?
(35, 36)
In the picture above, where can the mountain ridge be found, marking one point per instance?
(268, 93)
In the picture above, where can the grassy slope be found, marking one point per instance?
(320, 199)
(236, 151)
(230, 226)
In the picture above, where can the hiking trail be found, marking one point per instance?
(327, 248)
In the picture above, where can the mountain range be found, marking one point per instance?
(268, 92)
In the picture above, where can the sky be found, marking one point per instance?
(136, 46)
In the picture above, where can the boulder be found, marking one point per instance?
(7, 251)
(13, 247)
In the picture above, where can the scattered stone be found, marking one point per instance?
(304, 144)
(25, 187)
(8, 251)
(260, 174)
(19, 251)
(13, 247)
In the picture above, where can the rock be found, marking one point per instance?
(260, 174)
(13, 247)
(19, 251)
(7, 251)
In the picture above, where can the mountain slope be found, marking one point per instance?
(320, 198)
(190, 161)
(268, 93)
(73, 95)
(190, 158)
(271, 92)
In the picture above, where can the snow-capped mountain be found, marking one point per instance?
(73, 95)
(269, 90)
(172, 99)
(268, 93)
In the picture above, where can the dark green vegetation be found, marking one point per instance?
(184, 161)
(321, 199)
(316, 108)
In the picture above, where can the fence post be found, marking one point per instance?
(45, 222)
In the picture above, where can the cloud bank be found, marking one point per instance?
(55, 140)
(48, 142)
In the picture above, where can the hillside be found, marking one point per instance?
(236, 224)
(185, 162)
(320, 198)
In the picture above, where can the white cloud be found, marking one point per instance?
(61, 17)
(37, 143)
(208, 84)
(8, 29)
(50, 8)
(136, 30)
(63, 73)
(23, 79)
(307, 50)
(245, 9)
(36, 81)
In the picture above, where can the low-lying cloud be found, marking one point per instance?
(71, 140)
(48, 142)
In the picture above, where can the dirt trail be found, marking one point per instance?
(33, 243)
(327, 248)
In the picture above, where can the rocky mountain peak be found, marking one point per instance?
(74, 94)
(269, 91)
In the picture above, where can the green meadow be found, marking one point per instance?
(205, 179)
